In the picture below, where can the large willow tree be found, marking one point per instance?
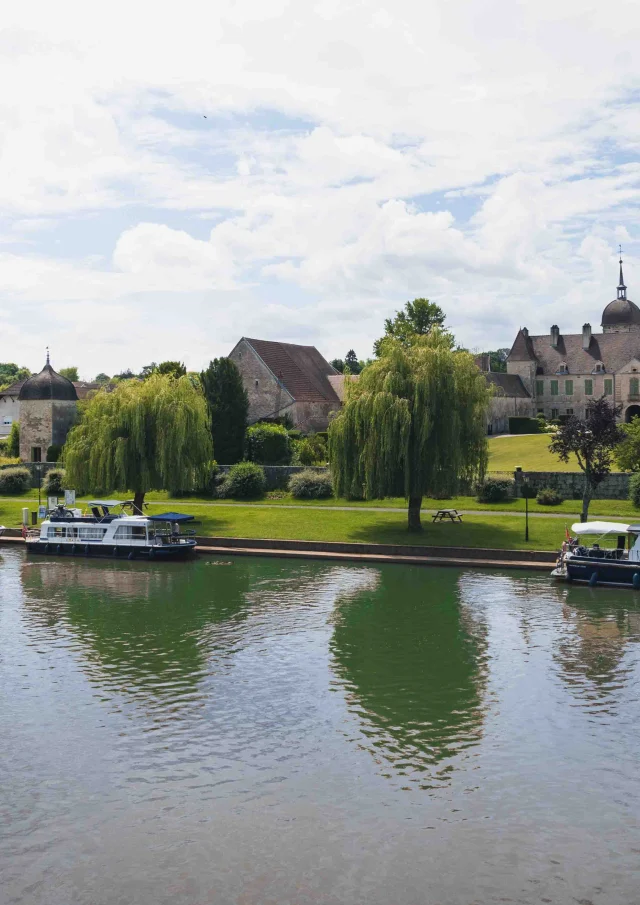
(144, 435)
(413, 425)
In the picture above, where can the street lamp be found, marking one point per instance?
(39, 473)
(526, 492)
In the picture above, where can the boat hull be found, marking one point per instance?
(602, 571)
(114, 551)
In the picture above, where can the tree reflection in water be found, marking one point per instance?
(413, 664)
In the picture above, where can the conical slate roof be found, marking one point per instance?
(48, 384)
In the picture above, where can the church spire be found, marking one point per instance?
(622, 289)
(48, 362)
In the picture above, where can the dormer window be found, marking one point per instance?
(562, 368)
(599, 368)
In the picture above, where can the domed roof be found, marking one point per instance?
(48, 384)
(620, 311)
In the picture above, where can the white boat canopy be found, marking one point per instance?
(601, 528)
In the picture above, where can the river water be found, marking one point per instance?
(271, 731)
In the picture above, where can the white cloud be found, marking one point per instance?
(353, 155)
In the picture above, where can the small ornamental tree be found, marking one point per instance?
(13, 440)
(228, 406)
(413, 425)
(592, 440)
(144, 435)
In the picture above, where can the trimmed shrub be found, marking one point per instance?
(494, 490)
(14, 480)
(521, 425)
(53, 453)
(634, 489)
(54, 482)
(295, 434)
(311, 485)
(547, 496)
(268, 444)
(244, 481)
(312, 451)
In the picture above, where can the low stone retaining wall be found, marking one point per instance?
(278, 475)
(570, 484)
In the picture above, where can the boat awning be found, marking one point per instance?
(601, 528)
(171, 517)
(107, 503)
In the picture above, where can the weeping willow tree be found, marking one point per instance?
(144, 435)
(412, 426)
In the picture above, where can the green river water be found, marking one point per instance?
(273, 731)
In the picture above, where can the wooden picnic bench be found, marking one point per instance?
(452, 514)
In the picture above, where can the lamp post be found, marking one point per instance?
(39, 473)
(526, 490)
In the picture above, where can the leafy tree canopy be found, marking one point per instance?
(338, 364)
(628, 452)
(413, 424)
(498, 360)
(10, 373)
(101, 378)
(592, 440)
(172, 368)
(69, 373)
(351, 362)
(417, 318)
(144, 435)
(228, 405)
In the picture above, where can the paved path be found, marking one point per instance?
(567, 516)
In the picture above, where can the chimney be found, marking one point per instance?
(586, 336)
(483, 361)
(555, 336)
(525, 332)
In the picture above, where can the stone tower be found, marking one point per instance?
(48, 404)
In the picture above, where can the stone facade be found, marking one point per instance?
(282, 379)
(502, 408)
(44, 423)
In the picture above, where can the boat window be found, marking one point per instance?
(92, 532)
(130, 532)
(57, 532)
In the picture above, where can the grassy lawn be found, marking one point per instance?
(530, 451)
(360, 526)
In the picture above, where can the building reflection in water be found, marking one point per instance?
(600, 627)
(413, 665)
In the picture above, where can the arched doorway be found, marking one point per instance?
(632, 412)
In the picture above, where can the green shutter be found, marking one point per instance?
(554, 387)
(633, 386)
(608, 386)
(588, 387)
(568, 388)
(540, 387)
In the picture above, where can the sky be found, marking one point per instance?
(176, 176)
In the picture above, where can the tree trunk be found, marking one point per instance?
(415, 505)
(138, 502)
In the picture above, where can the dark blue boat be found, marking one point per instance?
(601, 553)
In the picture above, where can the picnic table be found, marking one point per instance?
(452, 514)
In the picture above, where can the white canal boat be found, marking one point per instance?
(100, 532)
(601, 553)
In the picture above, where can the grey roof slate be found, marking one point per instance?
(614, 350)
(620, 311)
(48, 384)
(507, 384)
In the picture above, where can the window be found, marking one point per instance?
(569, 411)
(57, 532)
(588, 387)
(554, 414)
(36, 454)
(554, 387)
(7, 419)
(634, 384)
(130, 532)
(539, 387)
(599, 368)
(568, 388)
(562, 368)
(608, 386)
(91, 532)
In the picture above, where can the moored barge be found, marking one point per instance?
(598, 561)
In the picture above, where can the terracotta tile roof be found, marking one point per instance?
(614, 350)
(507, 384)
(301, 369)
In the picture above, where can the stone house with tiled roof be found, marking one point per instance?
(510, 397)
(563, 371)
(10, 402)
(288, 379)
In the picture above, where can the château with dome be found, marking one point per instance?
(561, 372)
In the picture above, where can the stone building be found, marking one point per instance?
(10, 402)
(563, 371)
(286, 379)
(48, 404)
(510, 397)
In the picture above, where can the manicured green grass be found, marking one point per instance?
(530, 451)
(360, 526)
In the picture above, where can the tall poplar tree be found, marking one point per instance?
(143, 435)
(413, 425)
(228, 405)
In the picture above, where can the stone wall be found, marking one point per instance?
(44, 423)
(314, 416)
(267, 397)
(571, 484)
(504, 407)
(278, 475)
